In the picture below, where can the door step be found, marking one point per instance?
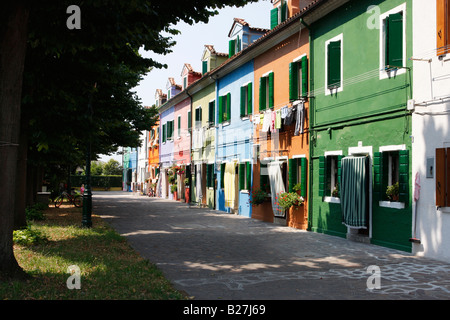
(358, 238)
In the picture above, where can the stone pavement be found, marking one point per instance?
(213, 255)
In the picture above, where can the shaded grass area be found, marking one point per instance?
(110, 268)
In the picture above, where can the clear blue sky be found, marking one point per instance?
(189, 48)
(191, 42)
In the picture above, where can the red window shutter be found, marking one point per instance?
(440, 177)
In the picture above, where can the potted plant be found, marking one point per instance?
(258, 196)
(297, 188)
(392, 192)
(288, 199)
(173, 189)
(335, 192)
(186, 190)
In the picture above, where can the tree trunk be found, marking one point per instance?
(13, 36)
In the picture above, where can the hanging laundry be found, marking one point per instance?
(273, 115)
(299, 118)
(278, 119)
(261, 118)
(267, 121)
(289, 116)
(230, 182)
(284, 111)
(276, 186)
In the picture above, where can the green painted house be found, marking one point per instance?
(360, 144)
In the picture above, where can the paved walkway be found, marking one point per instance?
(213, 255)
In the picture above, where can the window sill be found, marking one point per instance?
(245, 118)
(244, 191)
(444, 209)
(225, 124)
(332, 199)
(392, 204)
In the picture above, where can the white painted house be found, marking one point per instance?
(431, 128)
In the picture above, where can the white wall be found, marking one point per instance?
(430, 123)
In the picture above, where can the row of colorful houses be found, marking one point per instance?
(339, 102)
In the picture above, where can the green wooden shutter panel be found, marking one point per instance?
(249, 175)
(231, 48)
(164, 133)
(179, 126)
(211, 113)
(304, 174)
(228, 106)
(189, 120)
(304, 77)
(271, 90)
(334, 64)
(222, 175)
(220, 109)
(204, 67)
(339, 173)
(273, 18)
(242, 109)
(394, 40)
(404, 176)
(262, 93)
(377, 175)
(322, 176)
(249, 99)
(242, 176)
(283, 11)
(292, 174)
(293, 81)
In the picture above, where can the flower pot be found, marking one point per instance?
(186, 194)
(175, 196)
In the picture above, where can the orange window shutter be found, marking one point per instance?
(441, 30)
(440, 177)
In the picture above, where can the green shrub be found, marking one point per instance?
(28, 236)
(34, 213)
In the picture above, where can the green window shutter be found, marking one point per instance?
(164, 133)
(231, 48)
(238, 44)
(189, 121)
(322, 175)
(334, 64)
(273, 18)
(304, 174)
(271, 90)
(403, 189)
(242, 176)
(204, 67)
(293, 165)
(208, 174)
(249, 99)
(249, 176)
(293, 81)
(377, 175)
(304, 77)
(394, 40)
(262, 93)
(197, 117)
(283, 11)
(229, 106)
(222, 175)
(243, 100)
(211, 113)
(220, 109)
(179, 126)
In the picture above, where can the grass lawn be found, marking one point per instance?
(110, 268)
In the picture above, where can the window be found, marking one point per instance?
(298, 79)
(266, 91)
(210, 175)
(443, 26)
(222, 175)
(278, 14)
(198, 117)
(329, 175)
(392, 42)
(333, 64)
(164, 133)
(189, 121)
(443, 177)
(245, 177)
(184, 82)
(225, 108)
(234, 46)
(169, 128)
(204, 66)
(212, 113)
(246, 99)
(390, 167)
(179, 127)
(298, 174)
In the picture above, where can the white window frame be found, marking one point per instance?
(330, 198)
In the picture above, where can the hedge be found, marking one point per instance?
(97, 181)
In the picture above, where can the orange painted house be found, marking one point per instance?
(281, 137)
(153, 155)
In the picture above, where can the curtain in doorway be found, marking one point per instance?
(354, 191)
(276, 186)
(198, 182)
(230, 184)
(164, 183)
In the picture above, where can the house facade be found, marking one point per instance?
(360, 138)
(430, 129)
